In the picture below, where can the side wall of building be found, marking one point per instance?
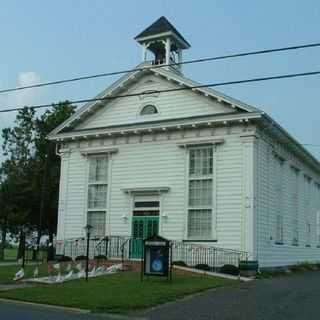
(287, 189)
(156, 160)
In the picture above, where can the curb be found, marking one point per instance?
(72, 310)
(46, 306)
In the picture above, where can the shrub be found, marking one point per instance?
(100, 257)
(230, 269)
(203, 266)
(179, 263)
(302, 266)
(80, 258)
(64, 259)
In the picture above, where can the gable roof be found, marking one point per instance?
(161, 25)
(85, 111)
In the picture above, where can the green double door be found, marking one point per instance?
(142, 227)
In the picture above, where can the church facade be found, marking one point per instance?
(160, 154)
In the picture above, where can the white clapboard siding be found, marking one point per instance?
(75, 181)
(270, 254)
(158, 163)
(170, 105)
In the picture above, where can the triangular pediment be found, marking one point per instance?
(162, 88)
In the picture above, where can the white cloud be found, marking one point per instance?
(27, 96)
(19, 98)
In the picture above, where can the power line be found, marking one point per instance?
(209, 85)
(99, 75)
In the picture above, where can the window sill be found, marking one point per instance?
(200, 240)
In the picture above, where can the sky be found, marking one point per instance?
(51, 40)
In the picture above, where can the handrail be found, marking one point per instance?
(191, 253)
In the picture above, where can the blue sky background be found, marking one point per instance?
(50, 40)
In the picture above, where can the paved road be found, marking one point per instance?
(295, 297)
(16, 311)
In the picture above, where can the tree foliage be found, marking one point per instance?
(29, 176)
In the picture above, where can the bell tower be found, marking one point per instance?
(164, 42)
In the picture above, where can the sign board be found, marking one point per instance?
(156, 257)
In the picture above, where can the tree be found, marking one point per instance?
(30, 174)
(49, 163)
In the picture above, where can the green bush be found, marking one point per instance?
(80, 258)
(64, 259)
(203, 266)
(100, 257)
(230, 269)
(179, 263)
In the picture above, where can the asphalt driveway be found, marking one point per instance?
(294, 297)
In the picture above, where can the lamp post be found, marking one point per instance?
(87, 230)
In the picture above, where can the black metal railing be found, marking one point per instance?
(121, 247)
(215, 257)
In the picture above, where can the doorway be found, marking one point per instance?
(145, 223)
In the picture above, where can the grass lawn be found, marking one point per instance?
(120, 292)
(7, 272)
(10, 254)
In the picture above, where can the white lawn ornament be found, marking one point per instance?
(79, 266)
(100, 269)
(69, 275)
(114, 267)
(19, 275)
(36, 272)
(92, 273)
(68, 267)
(81, 274)
(59, 278)
(57, 266)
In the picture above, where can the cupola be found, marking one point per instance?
(163, 40)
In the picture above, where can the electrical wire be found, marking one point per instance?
(99, 75)
(209, 85)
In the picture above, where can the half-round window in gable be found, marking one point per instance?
(149, 109)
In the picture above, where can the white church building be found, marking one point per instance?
(160, 155)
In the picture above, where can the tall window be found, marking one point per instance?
(295, 227)
(97, 194)
(307, 207)
(295, 205)
(279, 199)
(279, 229)
(308, 234)
(200, 193)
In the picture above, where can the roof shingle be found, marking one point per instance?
(160, 26)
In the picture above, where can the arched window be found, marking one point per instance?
(149, 109)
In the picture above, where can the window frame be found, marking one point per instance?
(211, 176)
(308, 234)
(294, 195)
(279, 187)
(318, 228)
(92, 210)
(144, 106)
